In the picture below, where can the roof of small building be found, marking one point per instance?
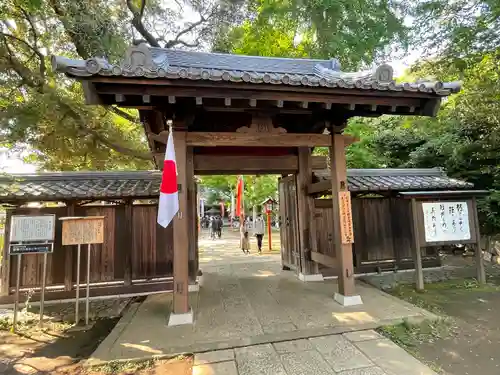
(398, 179)
(60, 186)
(162, 63)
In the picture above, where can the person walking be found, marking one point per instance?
(259, 228)
(244, 240)
(220, 224)
(213, 227)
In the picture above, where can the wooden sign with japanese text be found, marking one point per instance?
(346, 227)
(82, 230)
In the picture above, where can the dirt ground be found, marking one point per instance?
(50, 352)
(473, 345)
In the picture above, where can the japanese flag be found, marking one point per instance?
(168, 205)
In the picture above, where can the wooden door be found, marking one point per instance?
(289, 223)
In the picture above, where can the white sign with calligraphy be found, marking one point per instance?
(446, 221)
(24, 228)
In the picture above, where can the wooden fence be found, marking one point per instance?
(382, 234)
(135, 251)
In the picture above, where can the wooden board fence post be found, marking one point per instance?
(481, 275)
(342, 217)
(180, 222)
(417, 249)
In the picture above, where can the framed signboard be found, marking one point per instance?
(82, 230)
(446, 222)
(30, 229)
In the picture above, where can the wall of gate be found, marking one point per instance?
(382, 234)
(133, 257)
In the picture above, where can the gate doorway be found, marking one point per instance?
(219, 245)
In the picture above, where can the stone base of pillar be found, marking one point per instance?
(348, 300)
(314, 277)
(180, 319)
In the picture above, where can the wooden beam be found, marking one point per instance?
(113, 290)
(366, 98)
(257, 139)
(319, 187)
(216, 164)
(417, 249)
(305, 211)
(181, 229)
(318, 162)
(191, 214)
(323, 203)
(69, 253)
(343, 251)
(127, 251)
(324, 260)
(5, 264)
(480, 274)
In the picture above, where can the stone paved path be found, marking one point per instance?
(354, 353)
(270, 322)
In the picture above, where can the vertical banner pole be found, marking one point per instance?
(77, 316)
(88, 288)
(269, 230)
(18, 282)
(44, 282)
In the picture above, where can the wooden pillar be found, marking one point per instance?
(305, 209)
(127, 251)
(481, 275)
(70, 250)
(181, 228)
(343, 251)
(192, 214)
(5, 269)
(417, 248)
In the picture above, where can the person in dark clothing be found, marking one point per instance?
(213, 227)
(220, 224)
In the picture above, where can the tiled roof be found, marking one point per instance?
(379, 180)
(145, 184)
(149, 62)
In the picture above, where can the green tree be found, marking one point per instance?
(357, 32)
(45, 111)
(454, 30)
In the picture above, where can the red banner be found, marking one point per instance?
(239, 195)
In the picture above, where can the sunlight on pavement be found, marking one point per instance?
(354, 317)
(203, 370)
(262, 273)
(143, 348)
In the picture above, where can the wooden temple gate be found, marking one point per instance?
(252, 115)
